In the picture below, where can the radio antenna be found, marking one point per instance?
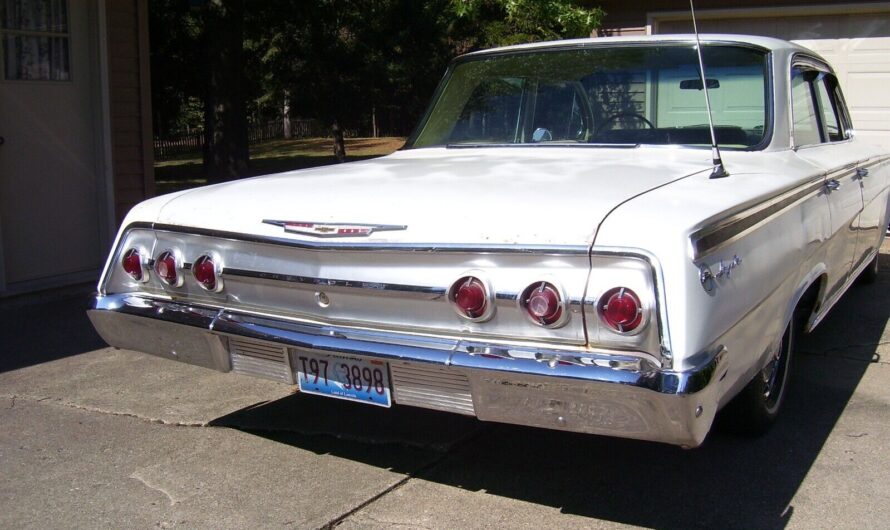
(719, 171)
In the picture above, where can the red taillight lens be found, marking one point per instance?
(132, 264)
(470, 297)
(621, 309)
(204, 270)
(166, 268)
(543, 303)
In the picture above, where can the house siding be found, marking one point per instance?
(130, 104)
(631, 18)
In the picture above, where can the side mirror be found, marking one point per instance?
(541, 135)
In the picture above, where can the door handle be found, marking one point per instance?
(861, 172)
(2, 140)
(833, 185)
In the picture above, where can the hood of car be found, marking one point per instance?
(530, 195)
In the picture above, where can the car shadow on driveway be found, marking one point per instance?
(728, 482)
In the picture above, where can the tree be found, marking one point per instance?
(177, 79)
(350, 64)
(506, 22)
(226, 153)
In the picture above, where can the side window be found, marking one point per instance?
(831, 115)
(559, 111)
(840, 105)
(491, 114)
(807, 130)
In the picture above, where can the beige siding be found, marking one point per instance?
(130, 102)
(630, 18)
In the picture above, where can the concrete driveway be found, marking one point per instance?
(101, 438)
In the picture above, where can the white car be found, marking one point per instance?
(558, 244)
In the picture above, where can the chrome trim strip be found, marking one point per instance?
(872, 162)
(578, 364)
(577, 250)
(713, 237)
(420, 290)
(329, 282)
(809, 60)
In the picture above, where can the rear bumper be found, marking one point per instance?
(574, 391)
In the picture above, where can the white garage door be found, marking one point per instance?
(857, 46)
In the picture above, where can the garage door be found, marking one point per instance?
(857, 46)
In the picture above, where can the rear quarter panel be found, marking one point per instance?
(747, 310)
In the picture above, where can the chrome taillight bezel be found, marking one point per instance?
(489, 305)
(217, 271)
(643, 311)
(178, 267)
(524, 296)
(144, 263)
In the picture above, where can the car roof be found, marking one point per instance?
(767, 43)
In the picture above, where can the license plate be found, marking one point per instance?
(344, 377)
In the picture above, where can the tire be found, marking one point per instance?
(753, 411)
(869, 275)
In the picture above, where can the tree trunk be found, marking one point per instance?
(285, 117)
(225, 119)
(339, 144)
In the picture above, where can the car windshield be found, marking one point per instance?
(626, 95)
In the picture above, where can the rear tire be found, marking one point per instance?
(753, 411)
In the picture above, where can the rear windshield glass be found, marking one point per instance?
(599, 95)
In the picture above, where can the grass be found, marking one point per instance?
(275, 156)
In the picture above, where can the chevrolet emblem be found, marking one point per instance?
(310, 228)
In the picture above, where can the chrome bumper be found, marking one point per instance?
(574, 391)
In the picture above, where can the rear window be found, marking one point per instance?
(599, 95)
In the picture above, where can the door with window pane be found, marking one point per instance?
(821, 137)
(49, 158)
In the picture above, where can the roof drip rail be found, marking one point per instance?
(719, 170)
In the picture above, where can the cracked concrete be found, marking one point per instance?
(80, 468)
(128, 383)
(149, 485)
(61, 403)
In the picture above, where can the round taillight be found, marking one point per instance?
(133, 265)
(204, 270)
(167, 268)
(621, 309)
(469, 296)
(543, 303)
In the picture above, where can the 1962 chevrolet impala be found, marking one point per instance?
(558, 245)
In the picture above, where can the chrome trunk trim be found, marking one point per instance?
(330, 282)
(379, 247)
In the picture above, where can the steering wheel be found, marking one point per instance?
(614, 117)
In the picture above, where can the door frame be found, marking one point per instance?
(100, 104)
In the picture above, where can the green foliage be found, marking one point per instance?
(177, 73)
(344, 59)
(505, 22)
